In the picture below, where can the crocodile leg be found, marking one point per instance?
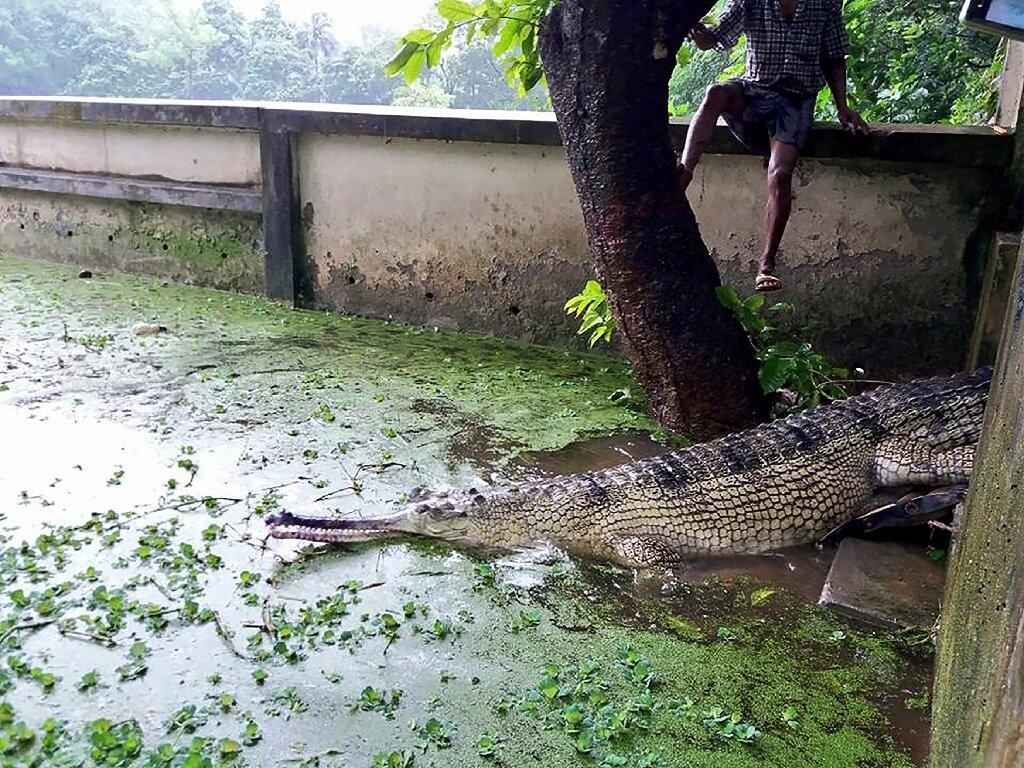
(641, 551)
(910, 510)
(903, 463)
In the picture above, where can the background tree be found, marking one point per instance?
(275, 68)
(355, 75)
(910, 61)
(182, 56)
(224, 73)
(316, 38)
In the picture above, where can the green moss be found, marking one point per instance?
(837, 725)
(226, 257)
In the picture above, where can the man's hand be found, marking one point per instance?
(703, 37)
(684, 176)
(852, 121)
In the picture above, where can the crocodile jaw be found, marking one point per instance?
(411, 522)
(284, 525)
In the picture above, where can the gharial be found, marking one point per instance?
(783, 483)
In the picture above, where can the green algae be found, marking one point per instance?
(249, 407)
(225, 257)
(532, 398)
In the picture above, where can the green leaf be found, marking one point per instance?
(397, 64)
(774, 372)
(455, 10)
(507, 39)
(414, 66)
(754, 302)
(420, 36)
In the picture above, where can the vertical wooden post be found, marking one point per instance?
(282, 220)
(978, 714)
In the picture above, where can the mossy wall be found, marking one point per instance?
(217, 249)
(978, 715)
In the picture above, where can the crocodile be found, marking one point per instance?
(784, 483)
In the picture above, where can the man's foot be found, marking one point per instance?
(685, 176)
(766, 282)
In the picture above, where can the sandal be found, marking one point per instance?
(766, 282)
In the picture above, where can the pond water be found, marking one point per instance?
(145, 621)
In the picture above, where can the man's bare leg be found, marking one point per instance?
(776, 210)
(719, 99)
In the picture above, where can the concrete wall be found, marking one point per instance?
(204, 155)
(470, 220)
(489, 236)
(220, 249)
(190, 244)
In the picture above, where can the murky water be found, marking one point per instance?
(160, 456)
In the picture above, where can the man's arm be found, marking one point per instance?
(726, 34)
(834, 47)
(835, 76)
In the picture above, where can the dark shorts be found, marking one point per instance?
(771, 113)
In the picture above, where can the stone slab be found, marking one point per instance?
(885, 583)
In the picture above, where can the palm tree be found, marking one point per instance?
(317, 39)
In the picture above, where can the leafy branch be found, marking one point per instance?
(786, 362)
(512, 24)
(591, 305)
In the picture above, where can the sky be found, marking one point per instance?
(349, 15)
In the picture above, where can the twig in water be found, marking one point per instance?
(109, 642)
(226, 637)
(20, 627)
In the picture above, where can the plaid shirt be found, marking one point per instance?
(785, 53)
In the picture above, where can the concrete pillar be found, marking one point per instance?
(978, 714)
(282, 225)
(1011, 85)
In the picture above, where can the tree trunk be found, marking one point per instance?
(608, 64)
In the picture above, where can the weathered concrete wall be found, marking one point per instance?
(452, 234)
(469, 220)
(192, 245)
(213, 155)
(875, 258)
(213, 248)
(489, 236)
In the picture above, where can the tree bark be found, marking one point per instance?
(608, 64)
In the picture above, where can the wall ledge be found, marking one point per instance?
(974, 146)
(110, 187)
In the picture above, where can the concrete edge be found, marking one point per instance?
(215, 196)
(982, 146)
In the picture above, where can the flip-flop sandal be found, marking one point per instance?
(766, 282)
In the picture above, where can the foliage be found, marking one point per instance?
(785, 361)
(916, 61)
(909, 62)
(591, 305)
(512, 24)
(160, 49)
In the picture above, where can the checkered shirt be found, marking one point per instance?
(785, 53)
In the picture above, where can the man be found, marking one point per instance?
(794, 47)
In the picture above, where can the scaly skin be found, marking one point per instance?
(783, 483)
